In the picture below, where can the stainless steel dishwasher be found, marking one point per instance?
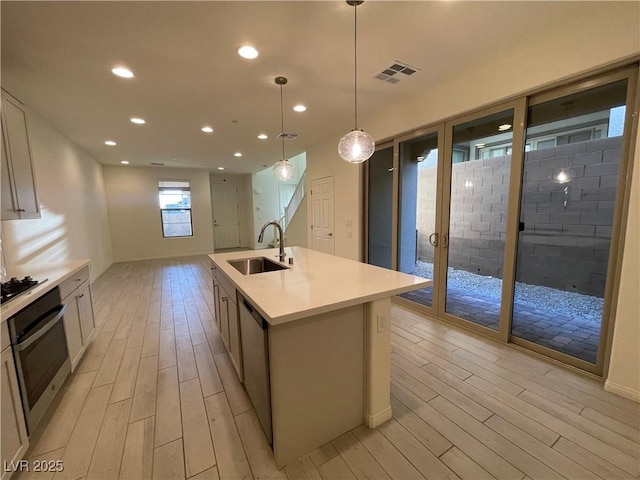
(255, 360)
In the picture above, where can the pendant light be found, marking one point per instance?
(284, 169)
(357, 145)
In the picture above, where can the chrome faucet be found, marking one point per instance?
(281, 255)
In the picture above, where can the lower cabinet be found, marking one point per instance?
(234, 335)
(226, 308)
(14, 429)
(79, 323)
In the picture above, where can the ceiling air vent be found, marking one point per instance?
(288, 136)
(157, 164)
(391, 73)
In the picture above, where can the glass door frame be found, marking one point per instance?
(437, 252)
(619, 219)
(394, 207)
(519, 108)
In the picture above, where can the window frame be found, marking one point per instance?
(186, 188)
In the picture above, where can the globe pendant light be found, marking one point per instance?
(284, 169)
(357, 145)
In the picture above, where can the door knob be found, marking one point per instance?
(330, 234)
(433, 239)
(446, 240)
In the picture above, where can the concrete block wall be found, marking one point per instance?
(567, 226)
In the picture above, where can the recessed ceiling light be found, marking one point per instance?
(262, 136)
(138, 121)
(123, 72)
(220, 168)
(111, 143)
(124, 162)
(237, 154)
(207, 129)
(300, 108)
(247, 51)
(504, 127)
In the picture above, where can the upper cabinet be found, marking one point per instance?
(19, 198)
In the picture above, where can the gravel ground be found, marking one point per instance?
(546, 299)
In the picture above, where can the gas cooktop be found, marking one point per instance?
(15, 287)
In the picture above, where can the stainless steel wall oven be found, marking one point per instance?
(40, 350)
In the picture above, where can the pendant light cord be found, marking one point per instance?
(282, 120)
(355, 64)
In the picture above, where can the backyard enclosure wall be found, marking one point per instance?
(563, 246)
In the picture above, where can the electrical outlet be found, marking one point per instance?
(349, 223)
(382, 323)
(349, 234)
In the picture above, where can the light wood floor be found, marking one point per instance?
(156, 397)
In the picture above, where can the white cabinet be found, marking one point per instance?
(14, 430)
(79, 324)
(226, 309)
(235, 353)
(19, 198)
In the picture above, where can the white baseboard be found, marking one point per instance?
(622, 390)
(379, 418)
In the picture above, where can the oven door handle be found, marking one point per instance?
(43, 331)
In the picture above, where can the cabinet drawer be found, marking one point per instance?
(73, 282)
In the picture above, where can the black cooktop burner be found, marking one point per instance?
(15, 287)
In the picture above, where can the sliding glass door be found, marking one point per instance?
(419, 218)
(479, 165)
(380, 207)
(515, 213)
(570, 190)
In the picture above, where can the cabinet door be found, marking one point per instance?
(224, 317)
(85, 307)
(14, 430)
(9, 209)
(235, 351)
(216, 296)
(73, 330)
(19, 155)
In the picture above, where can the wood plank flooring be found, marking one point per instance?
(155, 396)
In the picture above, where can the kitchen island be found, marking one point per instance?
(327, 329)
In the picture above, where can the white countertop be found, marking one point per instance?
(55, 273)
(315, 283)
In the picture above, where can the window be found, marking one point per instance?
(175, 208)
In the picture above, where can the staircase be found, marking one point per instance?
(294, 203)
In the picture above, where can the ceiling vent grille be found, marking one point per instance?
(157, 164)
(391, 74)
(287, 136)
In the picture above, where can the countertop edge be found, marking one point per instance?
(69, 267)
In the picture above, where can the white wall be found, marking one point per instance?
(71, 192)
(245, 199)
(296, 234)
(266, 205)
(624, 369)
(598, 34)
(134, 213)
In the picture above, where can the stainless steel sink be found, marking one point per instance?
(250, 266)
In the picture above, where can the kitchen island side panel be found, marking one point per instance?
(317, 380)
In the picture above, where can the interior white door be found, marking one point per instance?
(322, 198)
(226, 215)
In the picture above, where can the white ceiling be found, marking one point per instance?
(57, 57)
